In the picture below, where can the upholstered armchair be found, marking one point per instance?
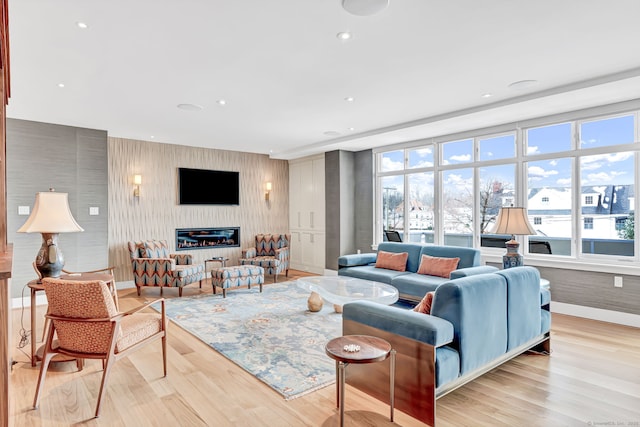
(86, 325)
(271, 252)
(153, 265)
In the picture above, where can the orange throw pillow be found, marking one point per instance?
(425, 305)
(392, 261)
(434, 266)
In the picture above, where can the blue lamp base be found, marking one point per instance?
(512, 258)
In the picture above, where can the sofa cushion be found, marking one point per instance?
(415, 285)
(523, 293)
(392, 261)
(370, 272)
(156, 249)
(424, 306)
(469, 257)
(413, 249)
(477, 308)
(447, 365)
(437, 266)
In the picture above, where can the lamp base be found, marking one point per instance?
(512, 258)
(49, 261)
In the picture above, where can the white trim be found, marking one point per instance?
(596, 314)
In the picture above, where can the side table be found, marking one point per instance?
(370, 350)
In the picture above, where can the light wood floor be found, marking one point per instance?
(592, 377)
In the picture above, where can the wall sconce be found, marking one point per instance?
(266, 193)
(137, 181)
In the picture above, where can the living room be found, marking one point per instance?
(96, 162)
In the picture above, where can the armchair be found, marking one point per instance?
(87, 325)
(271, 252)
(153, 265)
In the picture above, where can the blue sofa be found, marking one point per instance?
(411, 285)
(476, 323)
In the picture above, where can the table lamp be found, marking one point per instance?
(512, 221)
(50, 216)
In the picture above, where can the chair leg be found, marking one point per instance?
(200, 284)
(286, 273)
(180, 291)
(214, 289)
(46, 360)
(138, 288)
(105, 375)
(164, 353)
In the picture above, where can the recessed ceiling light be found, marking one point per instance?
(364, 7)
(82, 25)
(332, 133)
(60, 84)
(221, 102)
(486, 95)
(349, 99)
(344, 35)
(352, 129)
(523, 84)
(190, 107)
(152, 136)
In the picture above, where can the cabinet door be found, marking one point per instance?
(317, 221)
(295, 189)
(295, 251)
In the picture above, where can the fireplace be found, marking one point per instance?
(207, 238)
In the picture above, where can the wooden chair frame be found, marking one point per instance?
(108, 358)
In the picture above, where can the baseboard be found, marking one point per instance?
(610, 316)
(41, 299)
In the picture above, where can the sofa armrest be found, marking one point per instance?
(282, 253)
(249, 253)
(470, 271)
(408, 323)
(356, 259)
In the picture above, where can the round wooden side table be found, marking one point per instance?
(359, 349)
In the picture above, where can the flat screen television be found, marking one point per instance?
(208, 187)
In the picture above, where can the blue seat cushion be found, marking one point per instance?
(370, 272)
(447, 365)
(416, 285)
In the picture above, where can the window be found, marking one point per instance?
(574, 177)
(588, 223)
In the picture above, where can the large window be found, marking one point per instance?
(576, 178)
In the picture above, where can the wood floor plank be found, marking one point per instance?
(592, 375)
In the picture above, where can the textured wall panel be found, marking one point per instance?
(71, 160)
(157, 214)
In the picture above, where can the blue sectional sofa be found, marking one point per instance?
(410, 284)
(476, 323)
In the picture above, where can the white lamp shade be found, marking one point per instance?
(51, 214)
(513, 221)
(268, 186)
(137, 179)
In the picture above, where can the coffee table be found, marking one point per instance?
(340, 290)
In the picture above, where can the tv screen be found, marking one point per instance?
(208, 187)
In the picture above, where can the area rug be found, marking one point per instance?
(271, 334)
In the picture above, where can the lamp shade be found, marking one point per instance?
(51, 214)
(513, 221)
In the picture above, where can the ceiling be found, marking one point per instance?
(418, 69)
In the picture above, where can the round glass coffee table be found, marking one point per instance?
(339, 290)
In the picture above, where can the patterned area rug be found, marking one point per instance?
(271, 335)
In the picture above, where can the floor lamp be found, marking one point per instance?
(512, 221)
(50, 216)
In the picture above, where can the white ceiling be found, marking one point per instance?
(416, 70)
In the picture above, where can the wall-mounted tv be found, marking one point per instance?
(208, 187)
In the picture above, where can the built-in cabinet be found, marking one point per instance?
(306, 214)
